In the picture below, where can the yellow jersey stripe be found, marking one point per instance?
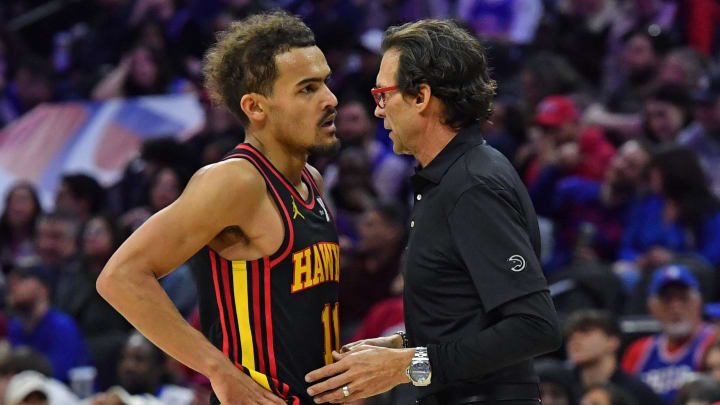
(260, 378)
(243, 313)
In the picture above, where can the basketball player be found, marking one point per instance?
(267, 259)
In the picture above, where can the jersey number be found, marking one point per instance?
(331, 327)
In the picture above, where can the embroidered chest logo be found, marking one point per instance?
(518, 262)
(296, 211)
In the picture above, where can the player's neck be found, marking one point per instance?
(289, 162)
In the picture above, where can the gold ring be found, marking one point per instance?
(346, 391)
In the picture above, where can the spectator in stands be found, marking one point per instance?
(590, 215)
(133, 189)
(143, 71)
(142, 370)
(660, 14)
(31, 85)
(563, 145)
(703, 136)
(17, 224)
(56, 239)
(27, 388)
(641, 53)
(25, 359)
(165, 187)
(619, 110)
(80, 195)
(684, 67)
(36, 324)
(103, 328)
(669, 359)
(666, 113)
(355, 128)
(681, 217)
(546, 74)
(593, 341)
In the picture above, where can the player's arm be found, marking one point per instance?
(216, 197)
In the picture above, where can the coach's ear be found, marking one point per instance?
(252, 106)
(422, 99)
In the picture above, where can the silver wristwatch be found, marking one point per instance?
(419, 369)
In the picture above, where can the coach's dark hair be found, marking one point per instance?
(451, 61)
(242, 60)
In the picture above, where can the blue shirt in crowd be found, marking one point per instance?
(648, 228)
(58, 337)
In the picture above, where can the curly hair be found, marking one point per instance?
(451, 61)
(242, 60)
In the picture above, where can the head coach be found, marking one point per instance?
(477, 308)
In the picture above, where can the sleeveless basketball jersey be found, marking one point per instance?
(666, 372)
(276, 318)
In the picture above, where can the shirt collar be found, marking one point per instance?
(461, 143)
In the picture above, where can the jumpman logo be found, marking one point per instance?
(296, 211)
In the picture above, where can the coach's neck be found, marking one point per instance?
(433, 134)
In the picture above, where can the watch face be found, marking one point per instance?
(419, 371)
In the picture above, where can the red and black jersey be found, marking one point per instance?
(276, 318)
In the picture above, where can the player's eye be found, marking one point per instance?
(309, 89)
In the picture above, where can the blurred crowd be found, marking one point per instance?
(609, 110)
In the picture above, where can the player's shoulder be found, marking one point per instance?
(228, 179)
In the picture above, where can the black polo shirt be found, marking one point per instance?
(473, 247)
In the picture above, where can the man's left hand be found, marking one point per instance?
(366, 371)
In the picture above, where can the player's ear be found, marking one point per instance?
(252, 106)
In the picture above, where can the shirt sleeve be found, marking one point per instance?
(528, 327)
(491, 234)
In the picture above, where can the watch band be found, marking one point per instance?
(420, 360)
(403, 335)
(421, 354)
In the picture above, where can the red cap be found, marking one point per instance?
(555, 110)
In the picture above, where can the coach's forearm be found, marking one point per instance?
(521, 335)
(138, 296)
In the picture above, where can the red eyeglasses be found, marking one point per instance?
(379, 95)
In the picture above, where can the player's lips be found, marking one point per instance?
(329, 121)
(328, 127)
